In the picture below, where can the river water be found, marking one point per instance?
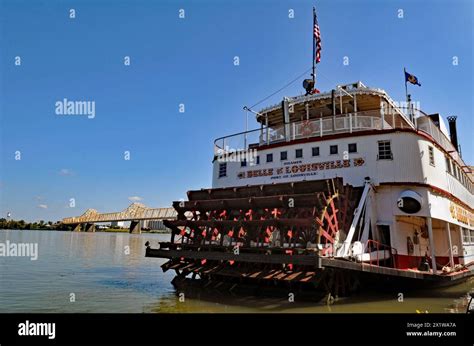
(108, 272)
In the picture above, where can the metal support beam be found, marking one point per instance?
(286, 115)
(268, 130)
(77, 228)
(382, 114)
(344, 250)
(450, 244)
(333, 100)
(432, 245)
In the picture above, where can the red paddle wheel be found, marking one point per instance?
(309, 215)
(265, 234)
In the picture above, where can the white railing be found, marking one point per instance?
(426, 125)
(345, 123)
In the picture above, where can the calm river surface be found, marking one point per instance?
(97, 270)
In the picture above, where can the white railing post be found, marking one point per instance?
(350, 122)
(268, 130)
(294, 131)
(382, 114)
(320, 127)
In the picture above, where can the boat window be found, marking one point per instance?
(243, 163)
(333, 149)
(222, 169)
(258, 160)
(315, 151)
(431, 155)
(269, 157)
(385, 150)
(448, 165)
(352, 147)
(283, 155)
(299, 153)
(466, 235)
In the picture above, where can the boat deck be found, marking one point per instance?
(275, 264)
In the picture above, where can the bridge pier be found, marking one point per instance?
(135, 227)
(90, 227)
(77, 228)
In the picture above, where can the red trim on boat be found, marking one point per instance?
(355, 134)
(412, 262)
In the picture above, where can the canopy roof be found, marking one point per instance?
(321, 105)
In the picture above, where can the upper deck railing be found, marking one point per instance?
(375, 120)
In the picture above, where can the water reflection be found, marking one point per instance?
(447, 300)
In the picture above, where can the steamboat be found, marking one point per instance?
(333, 191)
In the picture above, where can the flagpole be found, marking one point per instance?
(314, 47)
(405, 78)
(406, 94)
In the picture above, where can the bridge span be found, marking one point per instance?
(135, 213)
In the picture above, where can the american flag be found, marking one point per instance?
(317, 38)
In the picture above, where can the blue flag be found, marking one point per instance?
(411, 78)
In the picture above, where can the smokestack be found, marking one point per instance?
(453, 131)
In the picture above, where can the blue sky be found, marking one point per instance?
(190, 61)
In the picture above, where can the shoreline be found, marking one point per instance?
(108, 230)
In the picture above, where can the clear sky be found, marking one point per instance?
(191, 61)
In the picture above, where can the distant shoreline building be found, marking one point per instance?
(153, 225)
(121, 224)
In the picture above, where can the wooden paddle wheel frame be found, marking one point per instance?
(263, 234)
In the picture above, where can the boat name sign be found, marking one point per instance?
(304, 168)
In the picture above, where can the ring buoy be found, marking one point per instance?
(307, 128)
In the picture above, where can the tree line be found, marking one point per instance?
(41, 225)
